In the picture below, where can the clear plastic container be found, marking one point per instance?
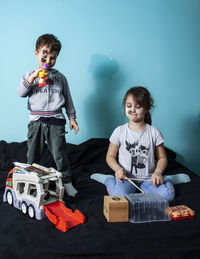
(147, 207)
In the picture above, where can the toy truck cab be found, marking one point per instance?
(30, 187)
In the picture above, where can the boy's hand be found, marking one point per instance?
(157, 179)
(34, 75)
(73, 125)
(119, 174)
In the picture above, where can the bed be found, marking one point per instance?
(23, 237)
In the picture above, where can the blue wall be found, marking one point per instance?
(109, 46)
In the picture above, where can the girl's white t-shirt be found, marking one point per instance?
(137, 149)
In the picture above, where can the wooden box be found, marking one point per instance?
(115, 208)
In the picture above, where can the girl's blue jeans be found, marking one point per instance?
(114, 187)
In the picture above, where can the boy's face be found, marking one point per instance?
(44, 55)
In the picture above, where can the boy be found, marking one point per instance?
(47, 121)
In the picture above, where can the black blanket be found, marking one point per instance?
(23, 237)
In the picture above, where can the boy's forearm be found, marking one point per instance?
(23, 88)
(69, 106)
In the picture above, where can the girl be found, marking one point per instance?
(137, 143)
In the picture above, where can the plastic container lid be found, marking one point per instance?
(147, 207)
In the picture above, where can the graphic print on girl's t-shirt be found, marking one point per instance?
(138, 155)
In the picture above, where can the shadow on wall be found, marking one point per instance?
(103, 107)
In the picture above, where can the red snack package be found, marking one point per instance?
(181, 212)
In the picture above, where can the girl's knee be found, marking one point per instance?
(114, 187)
(166, 190)
(110, 185)
(168, 193)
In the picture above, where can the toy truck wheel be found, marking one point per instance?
(24, 207)
(9, 197)
(31, 211)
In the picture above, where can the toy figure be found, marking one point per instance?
(43, 75)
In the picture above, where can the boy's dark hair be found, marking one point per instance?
(50, 40)
(142, 97)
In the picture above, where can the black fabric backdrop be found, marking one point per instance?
(22, 237)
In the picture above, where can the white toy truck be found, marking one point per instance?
(38, 192)
(30, 187)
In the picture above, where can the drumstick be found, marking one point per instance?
(133, 184)
(137, 179)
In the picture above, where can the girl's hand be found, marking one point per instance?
(74, 125)
(157, 178)
(119, 174)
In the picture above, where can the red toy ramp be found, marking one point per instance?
(62, 217)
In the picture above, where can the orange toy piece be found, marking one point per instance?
(181, 212)
(62, 217)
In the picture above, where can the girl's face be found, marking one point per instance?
(44, 55)
(134, 111)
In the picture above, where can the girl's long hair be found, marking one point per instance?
(142, 97)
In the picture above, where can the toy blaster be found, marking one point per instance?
(43, 75)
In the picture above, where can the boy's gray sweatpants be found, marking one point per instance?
(54, 136)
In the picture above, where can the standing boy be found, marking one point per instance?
(47, 121)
